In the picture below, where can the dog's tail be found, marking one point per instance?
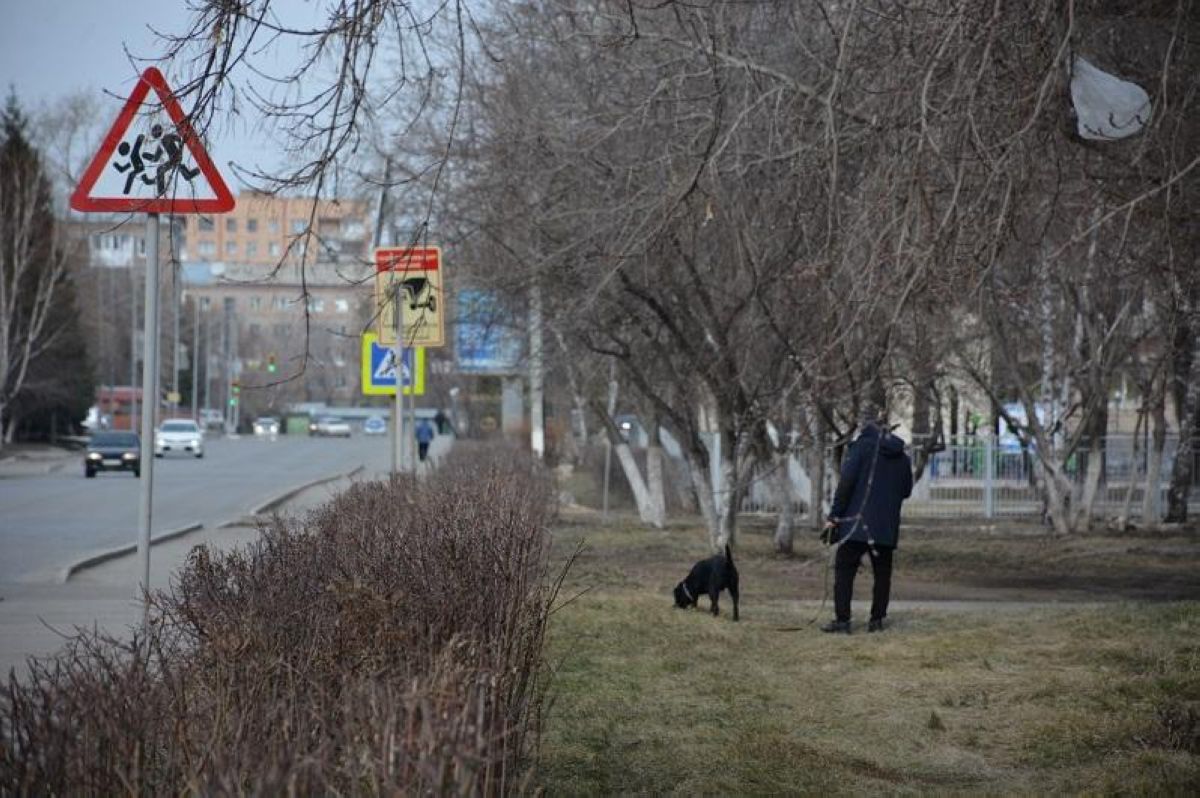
(728, 555)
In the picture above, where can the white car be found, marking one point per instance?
(266, 427)
(331, 427)
(179, 435)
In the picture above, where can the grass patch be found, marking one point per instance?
(649, 699)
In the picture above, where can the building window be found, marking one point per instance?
(231, 225)
(274, 249)
(278, 303)
(316, 305)
(273, 227)
(281, 330)
(230, 249)
(343, 305)
(252, 225)
(141, 246)
(206, 224)
(299, 225)
(256, 302)
(251, 249)
(207, 248)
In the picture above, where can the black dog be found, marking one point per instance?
(709, 577)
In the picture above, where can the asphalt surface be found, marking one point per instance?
(51, 520)
(41, 522)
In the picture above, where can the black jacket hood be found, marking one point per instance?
(889, 445)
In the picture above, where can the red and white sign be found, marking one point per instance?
(152, 161)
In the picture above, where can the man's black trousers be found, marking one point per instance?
(845, 566)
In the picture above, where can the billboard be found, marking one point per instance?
(485, 340)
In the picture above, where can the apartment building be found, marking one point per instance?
(281, 288)
(265, 230)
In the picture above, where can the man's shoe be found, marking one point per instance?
(837, 627)
(875, 625)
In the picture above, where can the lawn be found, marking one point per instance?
(1078, 697)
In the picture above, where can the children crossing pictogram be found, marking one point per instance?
(151, 164)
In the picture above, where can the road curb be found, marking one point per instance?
(121, 551)
(272, 504)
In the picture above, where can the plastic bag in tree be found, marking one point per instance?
(1107, 107)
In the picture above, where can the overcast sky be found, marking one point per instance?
(53, 48)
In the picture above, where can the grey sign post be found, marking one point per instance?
(151, 162)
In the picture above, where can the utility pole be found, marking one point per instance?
(195, 356)
(227, 378)
(208, 332)
(176, 301)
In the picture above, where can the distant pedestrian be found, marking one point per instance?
(440, 420)
(425, 435)
(876, 478)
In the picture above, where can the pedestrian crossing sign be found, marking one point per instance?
(379, 368)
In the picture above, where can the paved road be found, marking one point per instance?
(50, 521)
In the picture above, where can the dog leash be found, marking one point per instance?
(834, 547)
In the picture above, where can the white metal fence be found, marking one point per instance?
(975, 477)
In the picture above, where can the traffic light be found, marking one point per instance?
(271, 365)
(235, 388)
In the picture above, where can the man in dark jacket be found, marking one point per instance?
(876, 478)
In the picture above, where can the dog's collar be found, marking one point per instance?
(687, 592)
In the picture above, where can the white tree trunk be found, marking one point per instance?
(633, 474)
(785, 525)
(1158, 444)
(654, 480)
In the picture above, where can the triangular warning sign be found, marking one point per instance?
(152, 164)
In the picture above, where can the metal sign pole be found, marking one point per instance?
(399, 460)
(194, 361)
(149, 406)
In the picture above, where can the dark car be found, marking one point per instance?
(113, 451)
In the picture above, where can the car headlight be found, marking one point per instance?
(129, 456)
(94, 456)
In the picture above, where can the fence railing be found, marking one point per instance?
(981, 477)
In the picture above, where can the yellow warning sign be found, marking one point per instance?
(413, 279)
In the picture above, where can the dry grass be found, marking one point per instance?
(648, 699)
(391, 643)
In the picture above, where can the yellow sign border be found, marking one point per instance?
(369, 388)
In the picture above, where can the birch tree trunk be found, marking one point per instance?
(629, 466)
(817, 473)
(657, 498)
(1098, 425)
(1158, 443)
(785, 526)
(1127, 500)
(1181, 473)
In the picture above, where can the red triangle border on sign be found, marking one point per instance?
(81, 199)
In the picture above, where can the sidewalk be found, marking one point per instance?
(35, 460)
(34, 618)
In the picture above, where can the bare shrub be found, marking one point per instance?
(391, 641)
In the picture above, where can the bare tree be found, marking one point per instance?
(33, 261)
